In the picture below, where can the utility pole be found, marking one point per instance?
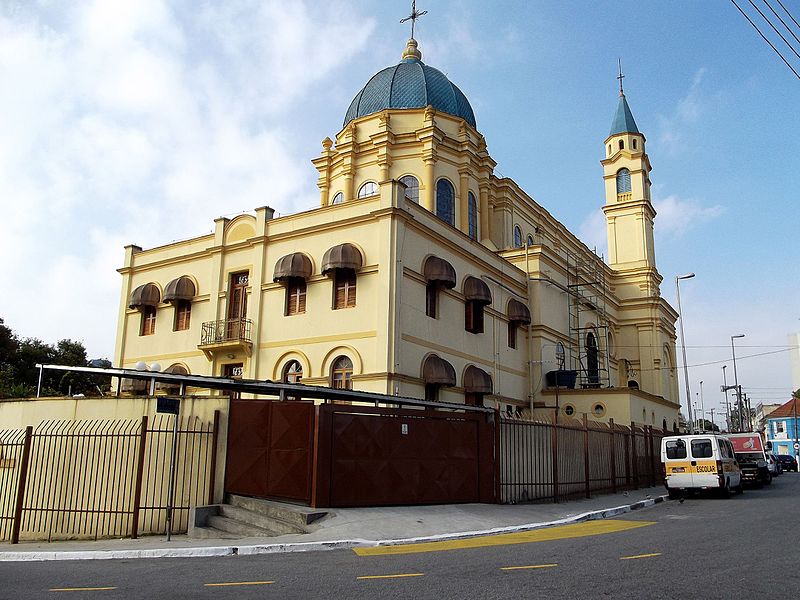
(712, 419)
(736, 381)
(703, 407)
(727, 404)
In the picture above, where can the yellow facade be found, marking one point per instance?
(572, 295)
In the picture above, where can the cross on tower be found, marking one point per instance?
(620, 77)
(415, 14)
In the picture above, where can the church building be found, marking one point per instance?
(422, 274)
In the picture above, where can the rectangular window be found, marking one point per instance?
(702, 449)
(295, 296)
(473, 316)
(344, 295)
(148, 326)
(512, 334)
(431, 298)
(183, 314)
(676, 449)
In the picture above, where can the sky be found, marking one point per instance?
(142, 121)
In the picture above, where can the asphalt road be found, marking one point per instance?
(742, 547)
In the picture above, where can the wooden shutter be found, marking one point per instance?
(183, 312)
(345, 289)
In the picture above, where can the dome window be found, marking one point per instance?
(412, 187)
(622, 144)
(368, 189)
(634, 143)
(623, 181)
(445, 201)
(338, 198)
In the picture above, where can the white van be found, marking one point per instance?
(699, 462)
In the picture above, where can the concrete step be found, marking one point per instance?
(238, 528)
(301, 516)
(260, 520)
(211, 533)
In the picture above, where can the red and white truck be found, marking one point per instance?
(749, 449)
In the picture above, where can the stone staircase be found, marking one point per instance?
(241, 516)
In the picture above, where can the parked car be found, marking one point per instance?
(773, 465)
(787, 462)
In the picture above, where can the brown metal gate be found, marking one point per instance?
(270, 449)
(387, 456)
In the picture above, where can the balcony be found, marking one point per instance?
(227, 335)
(624, 196)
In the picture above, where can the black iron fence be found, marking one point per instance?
(103, 478)
(226, 330)
(542, 461)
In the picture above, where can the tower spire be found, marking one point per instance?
(620, 77)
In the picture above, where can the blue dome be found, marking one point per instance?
(410, 84)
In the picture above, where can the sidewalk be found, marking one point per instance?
(354, 527)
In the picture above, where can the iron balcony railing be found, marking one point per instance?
(226, 330)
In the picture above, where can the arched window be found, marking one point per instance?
(664, 424)
(622, 145)
(342, 373)
(338, 198)
(634, 147)
(368, 189)
(472, 210)
(445, 201)
(592, 362)
(530, 240)
(623, 181)
(292, 372)
(561, 356)
(517, 237)
(412, 187)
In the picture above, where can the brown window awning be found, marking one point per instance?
(176, 370)
(439, 270)
(293, 265)
(343, 256)
(145, 295)
(477, 381)
(518, 312)
(181, 288)
(476, 289)
(439, 371)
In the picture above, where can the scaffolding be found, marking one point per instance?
(588, 320)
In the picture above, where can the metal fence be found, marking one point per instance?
(542, 461)
(103, 478)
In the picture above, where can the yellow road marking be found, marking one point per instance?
(528, 567)
(238, 583)
(587, 528)
(397, 576)
(82, 589)
(640, 556)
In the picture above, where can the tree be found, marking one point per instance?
(796, 394)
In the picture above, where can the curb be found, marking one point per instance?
(254, 549)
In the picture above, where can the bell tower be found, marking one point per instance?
(628, 209)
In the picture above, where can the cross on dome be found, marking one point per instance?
(415, 14)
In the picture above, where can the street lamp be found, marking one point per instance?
(683, 348)
(703, 407)
(727, 404)
(736, 381)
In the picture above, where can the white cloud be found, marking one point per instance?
(594, 232)
(676, 216)
(673, 128)
(140, 122)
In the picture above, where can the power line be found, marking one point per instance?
(785, 41)
(789, 29)
(744, 14)
(788, 13)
